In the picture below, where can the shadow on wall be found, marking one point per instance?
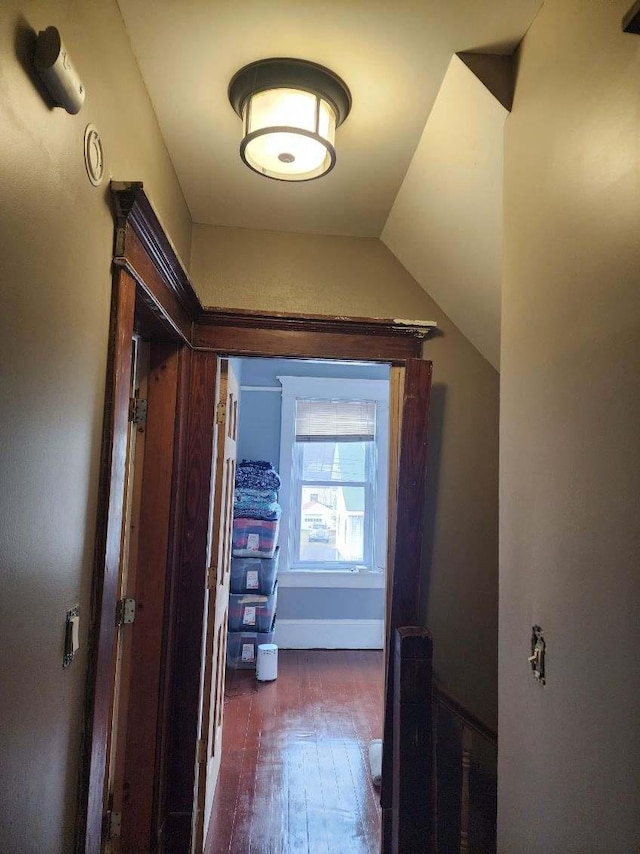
(25, 46)
(436, 423)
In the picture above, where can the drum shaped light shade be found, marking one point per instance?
(290, 109)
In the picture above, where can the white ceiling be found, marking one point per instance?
(393, 56)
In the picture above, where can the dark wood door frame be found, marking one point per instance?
(148, 298)
(153, 295)
(404, 600)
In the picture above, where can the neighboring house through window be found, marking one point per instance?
(333, 464)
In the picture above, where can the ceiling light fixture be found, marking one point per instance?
(290, 109)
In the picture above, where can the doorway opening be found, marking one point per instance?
(195, 421)
(295, 767)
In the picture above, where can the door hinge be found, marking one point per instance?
(137, 410)
(112, 824)
(221, 413)
(201, 751)
(125, 612)
(212, 577)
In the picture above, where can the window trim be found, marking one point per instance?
(333, 388)
(306, 578)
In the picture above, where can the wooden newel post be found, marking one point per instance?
(412, 812)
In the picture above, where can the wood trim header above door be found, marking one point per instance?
(257, 333)
(166, 303)
(144, 250)
(135, 216)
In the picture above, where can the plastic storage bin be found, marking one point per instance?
(252, 612)
(254, 574)
(242, 647)
(255, 537)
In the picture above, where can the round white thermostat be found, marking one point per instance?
(93, 155)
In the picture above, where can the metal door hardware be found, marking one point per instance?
(126, 612)
(536, 659)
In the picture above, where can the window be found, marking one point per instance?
(333, 464)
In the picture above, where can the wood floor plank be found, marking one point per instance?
(346, 826)
(295, 775)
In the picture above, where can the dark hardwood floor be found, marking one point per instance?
(295, 767)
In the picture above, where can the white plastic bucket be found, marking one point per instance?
(267, 662)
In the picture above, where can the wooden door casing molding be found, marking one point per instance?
(167, 302)
(403, 603)
(152, 294)
(278, 335)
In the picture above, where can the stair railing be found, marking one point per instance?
(474, 737)
(439, 747)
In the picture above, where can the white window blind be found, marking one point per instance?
(335, 420)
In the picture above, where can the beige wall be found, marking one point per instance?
(446, 223)
(56, 234)
(569, 767)
(359, 276)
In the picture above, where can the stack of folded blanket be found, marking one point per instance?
(256, 510)
(257, 474)
(256, 504)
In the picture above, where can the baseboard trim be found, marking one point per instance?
(329, 634)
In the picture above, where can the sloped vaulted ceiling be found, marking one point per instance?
(445, 226)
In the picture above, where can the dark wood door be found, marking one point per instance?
(116, 752)
(132, 756)
(147, 663)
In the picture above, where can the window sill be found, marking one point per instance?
(331, 578)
